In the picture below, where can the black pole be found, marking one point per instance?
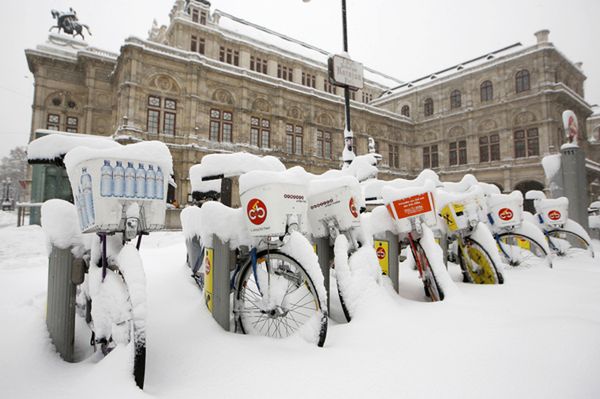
(348, 139)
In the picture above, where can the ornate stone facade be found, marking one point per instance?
(201, 85)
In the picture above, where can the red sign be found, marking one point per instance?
(380, 253)
(505, 214)
(207, 266)
(352, 206)
(412, 206)
(554, 215)
(256, 211)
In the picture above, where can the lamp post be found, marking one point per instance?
(348, 152)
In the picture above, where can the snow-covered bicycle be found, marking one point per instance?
(565, 236)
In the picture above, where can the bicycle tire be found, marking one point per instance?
(432, 288)
(281, 320)
(486, 271)
(576, 243)
(511, 249)
(343, 305)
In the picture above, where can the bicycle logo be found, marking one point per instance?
(380, 253)
(554, 215)
(505, 214)
(207, 266)
(352, 206)
(256, 211)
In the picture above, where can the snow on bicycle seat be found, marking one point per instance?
(334, 200)
(505, 210)
(462, 186)
(270, 198)
(404, 204)
(112, 184)
(460, 210)
(372, 188)
(206, 176)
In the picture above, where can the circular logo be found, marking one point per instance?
(352, 206)
(380, 253)
(256, 211)
(554, 215)
(505, 214)
(207, 266)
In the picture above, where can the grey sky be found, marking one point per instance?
(404, 39)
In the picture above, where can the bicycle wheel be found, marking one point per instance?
(567, 243)
(521, 250)
(432, 288)
(477, 264)
(277, 299)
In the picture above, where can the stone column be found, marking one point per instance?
(575, 183)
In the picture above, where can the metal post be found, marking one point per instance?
(574, 178)
(222, 260)
(393, 254)
(348, 153)
(325, 255)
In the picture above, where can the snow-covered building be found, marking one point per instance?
(212, 82)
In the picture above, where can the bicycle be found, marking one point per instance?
(412, 212)
(565, 236)
(520, 243)
(119, 205)
(276, 280)
(476, 250)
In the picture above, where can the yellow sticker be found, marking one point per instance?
(523, 243)
(208, 278)
(449, 217)
(382, 251)
(315, 248)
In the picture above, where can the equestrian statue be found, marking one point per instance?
(68, 22)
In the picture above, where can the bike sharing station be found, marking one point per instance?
(115, 203)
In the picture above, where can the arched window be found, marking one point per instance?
(522, 80)
(428, 107)
(455, 99)
(486, 91)
(405, 110)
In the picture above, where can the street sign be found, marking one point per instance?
(345, 72)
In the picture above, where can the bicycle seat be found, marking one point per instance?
(505, 210)
(463, 185)
(410, 203)
(372, 188)
(270, 199)
(333, 201)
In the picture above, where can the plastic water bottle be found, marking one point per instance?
(88, 198)
(119, 180)
(150, 182)
(79, 210)
(160, 180)
(140, 182)
(130, 180)
(106, 179)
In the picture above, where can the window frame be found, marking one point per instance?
(457, 152)
(455, 99)
(486, 91)
(294, 134)
(260, 129)
(431, 158)
(522, 81)
(528, 145)
(428, 107)
(405, 111)
(221, 123)
(50, 125)
(324, 141)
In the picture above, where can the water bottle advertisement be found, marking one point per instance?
(107, 186)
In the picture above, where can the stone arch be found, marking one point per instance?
(456, 131)
(294, 112)
(163, 83)
(325, 119)
(261, 105)
(524, 118)
(528, 185)
(223, 96)
(487, 125)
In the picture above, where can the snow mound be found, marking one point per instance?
(57, 144)
(59, 222)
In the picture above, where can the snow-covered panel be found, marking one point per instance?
(59, 222)
(229, 165)
(112, 184)
(56, 144)
(363, 167)
(333, 202)
(551, 165)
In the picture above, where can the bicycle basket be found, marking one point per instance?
(505, 210)
(338, 206)
(410, 203)
(554, 212)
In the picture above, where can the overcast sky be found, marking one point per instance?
(406, 39)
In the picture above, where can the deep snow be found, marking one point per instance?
(536, 336)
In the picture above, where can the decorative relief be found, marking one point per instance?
(261, 105)
(488, 124)
(164, 83)
(324, 119)
(294, 113)
(456, 131)
(524, 118)
(223, 96)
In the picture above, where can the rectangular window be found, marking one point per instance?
(170, 104)
(222, 54)
(394, 151)
(203, 17)
(153, 121)
(169, 123)
(260, 132)
(324, 144)
(194, 44)
(258, 64)
(494, 147)
(194, 15)
(329, 88)
(53, 122)
(221, 126)
(430, 156)
(201, 45)
(533, 142)
(71, 124)
(484, 149)
(293, 139)
(229, 56)
(154, 101)
(289, 139)
(519, 144)
(285, 73)
(309, 80)
(457, 154)
(366, 97)
(489, 148)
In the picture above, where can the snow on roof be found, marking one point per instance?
(462, 67)
(290, 46)
(54, 145)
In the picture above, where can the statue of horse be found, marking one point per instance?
(68, 22)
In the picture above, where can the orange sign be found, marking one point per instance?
(413, 206)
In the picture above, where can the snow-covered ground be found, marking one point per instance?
(536, 336)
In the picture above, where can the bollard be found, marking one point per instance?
(217, 288)
(572, 162)
(393, 259)
(65, 272)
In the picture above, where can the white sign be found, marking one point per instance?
(345, 72)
